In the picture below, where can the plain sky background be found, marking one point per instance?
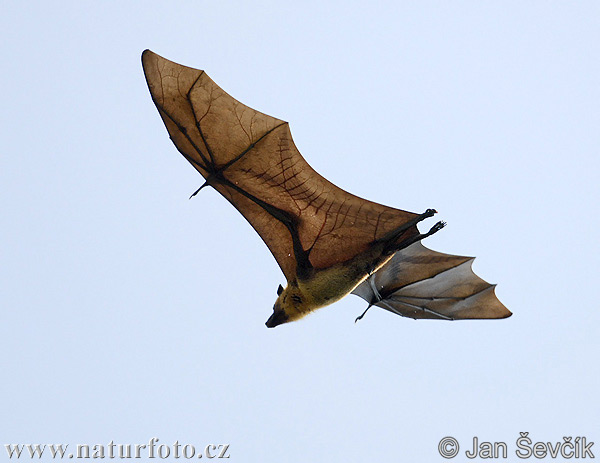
(129, 312)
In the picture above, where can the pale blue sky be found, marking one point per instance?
(129, 312)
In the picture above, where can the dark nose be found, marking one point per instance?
(276, 319)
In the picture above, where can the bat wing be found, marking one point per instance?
(420, 283)
(251, 159)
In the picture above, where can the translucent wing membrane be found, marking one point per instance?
(251, 159)
(420, 283)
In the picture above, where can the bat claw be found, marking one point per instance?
(363, 314)
(438, 226)
(198, 190)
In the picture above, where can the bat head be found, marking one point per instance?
(287, 307)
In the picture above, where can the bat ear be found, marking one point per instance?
(279, 290)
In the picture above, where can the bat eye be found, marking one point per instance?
(279, 290)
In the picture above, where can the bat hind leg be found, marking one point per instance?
(397, 232)
(397, 246)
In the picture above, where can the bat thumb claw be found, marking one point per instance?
(362, 314)
(198, 190)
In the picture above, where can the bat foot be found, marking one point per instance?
(436, 228)
(404, 244)
(396, 233)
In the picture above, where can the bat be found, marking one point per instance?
(327, 242)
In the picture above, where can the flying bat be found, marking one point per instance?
(328, 242)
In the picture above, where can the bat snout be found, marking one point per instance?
(279, 317)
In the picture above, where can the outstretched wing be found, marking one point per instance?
(251, 159)
(420, 283)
